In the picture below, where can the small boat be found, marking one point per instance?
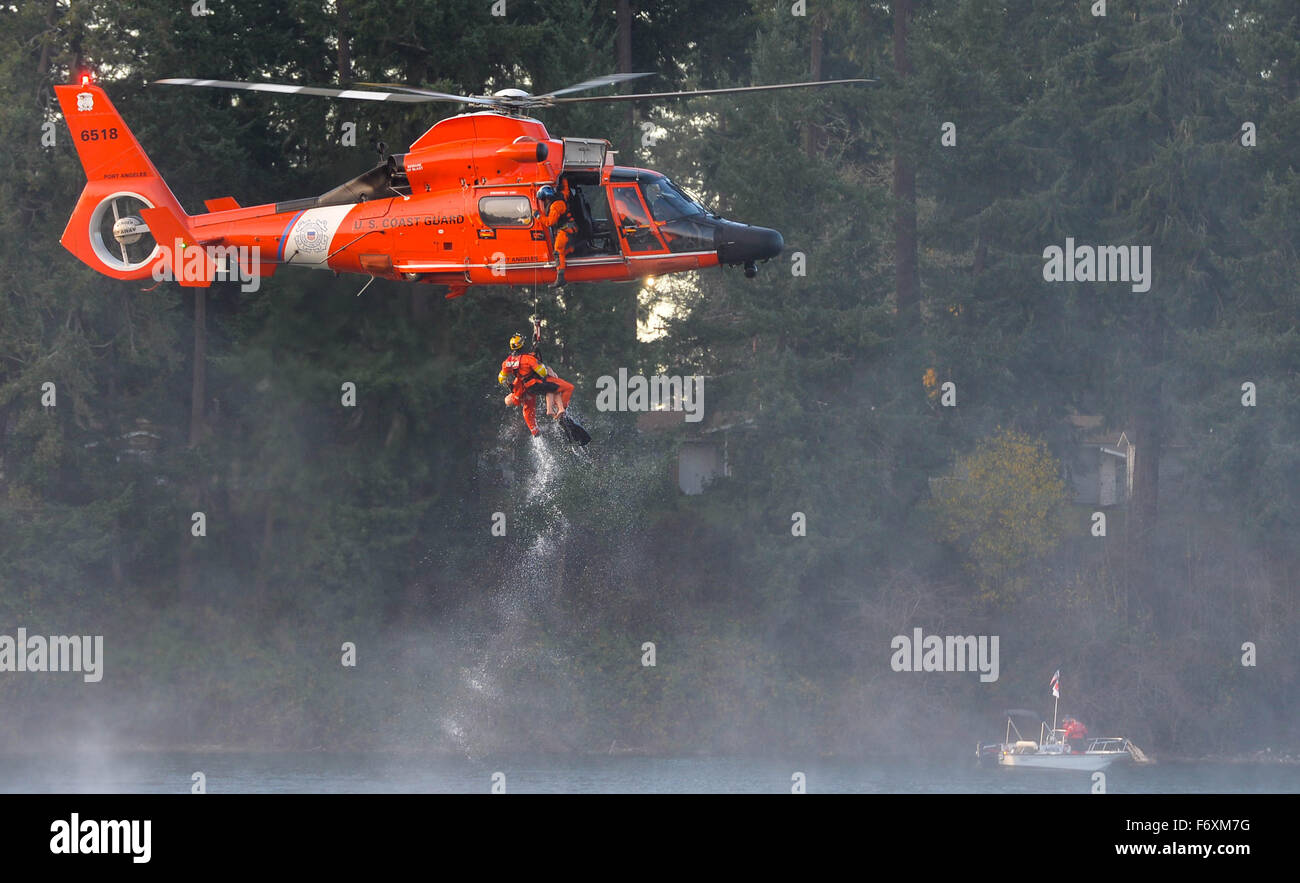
(1068, 747)
(1065, 748)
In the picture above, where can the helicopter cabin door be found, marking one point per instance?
(509, 241)
(632, 218)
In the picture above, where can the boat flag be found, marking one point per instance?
(1056, 684)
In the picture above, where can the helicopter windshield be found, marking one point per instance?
(667, 201)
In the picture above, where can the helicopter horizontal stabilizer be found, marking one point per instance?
(190, 264)
(221, 204)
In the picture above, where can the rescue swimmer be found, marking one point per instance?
(527, 378)
(559, 217)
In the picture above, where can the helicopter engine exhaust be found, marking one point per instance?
(397, 170)
(525, 151)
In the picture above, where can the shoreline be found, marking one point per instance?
(1266, 757)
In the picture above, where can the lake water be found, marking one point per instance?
(321, 772)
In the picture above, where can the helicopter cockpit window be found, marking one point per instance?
(505, 211)
(688, 234)
(629, 208)
(667, 201)
(633, 220)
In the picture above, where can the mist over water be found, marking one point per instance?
(497, 683)
(522, 597)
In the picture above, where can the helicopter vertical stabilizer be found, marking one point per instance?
(107, 230)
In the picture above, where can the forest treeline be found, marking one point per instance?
(916, 212)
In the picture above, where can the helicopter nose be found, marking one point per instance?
(743, 244)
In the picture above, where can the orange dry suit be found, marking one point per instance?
(529, 378)
(561, 219)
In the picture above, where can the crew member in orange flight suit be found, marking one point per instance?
(560, 218)
(529, 378)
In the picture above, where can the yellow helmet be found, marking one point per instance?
(516, 342)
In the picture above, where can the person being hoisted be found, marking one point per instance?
(559, 217)
(527, 379)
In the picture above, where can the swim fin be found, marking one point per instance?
(573, 430)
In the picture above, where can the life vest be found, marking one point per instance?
(525, 372)
(1074, 729)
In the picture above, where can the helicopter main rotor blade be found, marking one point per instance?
(431, 95)
(593, 83)
(413, 95)
(769, 88)
(357, 94)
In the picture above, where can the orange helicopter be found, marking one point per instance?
(459, 208)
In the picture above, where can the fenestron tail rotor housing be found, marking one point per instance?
(118, 234)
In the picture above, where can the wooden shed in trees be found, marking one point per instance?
(1099, 465)
(702, 450)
